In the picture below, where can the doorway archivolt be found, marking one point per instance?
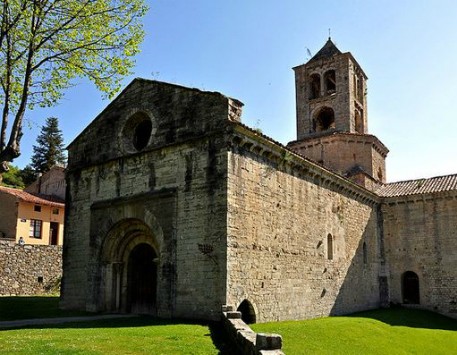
(130, 245)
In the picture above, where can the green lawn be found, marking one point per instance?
(140, 335)
(137, 335)
(392, 331)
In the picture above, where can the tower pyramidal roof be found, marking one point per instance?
(327, 51)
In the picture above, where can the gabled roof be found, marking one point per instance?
(38, 199)
(419, 186)
(327, 51)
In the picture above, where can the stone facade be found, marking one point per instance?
(29, 269)
(169, 195)
(51, 183)
(175, 208)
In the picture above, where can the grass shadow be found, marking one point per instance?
(29, 307)
(407, 317)
(221, 340)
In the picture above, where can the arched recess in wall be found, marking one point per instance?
(410, 288)
(324, 119)
(329, 247)
(365, 253)
(247, 312)
(314, 86)
(359, 128)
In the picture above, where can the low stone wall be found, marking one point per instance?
(248, 341)
(29, 269)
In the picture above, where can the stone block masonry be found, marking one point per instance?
(29, 269)
(301, 244)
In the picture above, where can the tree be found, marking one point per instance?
(28, 175)
(46, 44)
(13, 178)
(49, 150)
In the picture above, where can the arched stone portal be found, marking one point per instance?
(131, 259)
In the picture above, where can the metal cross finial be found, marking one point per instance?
(329, 34)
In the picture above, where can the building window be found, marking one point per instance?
(329, 247)
(55, 211)
(35, 228)
(37, 208)
(365, 253)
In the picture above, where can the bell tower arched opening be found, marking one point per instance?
(314, 86)
(330, 82)
(324, 120)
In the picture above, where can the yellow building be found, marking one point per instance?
(31, 218)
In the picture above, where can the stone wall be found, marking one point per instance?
(29, 269)
(246, 340)
(421, 236)
(281, 212)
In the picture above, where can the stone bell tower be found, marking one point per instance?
(332, 127)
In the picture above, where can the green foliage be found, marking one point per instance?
(13, 178)
(391, 331)
(28, 175)
(49, 150)
(45, 45)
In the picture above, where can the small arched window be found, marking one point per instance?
(330, 82)
(315, 86)
(365, 253)
(247, 312)
(329, 247)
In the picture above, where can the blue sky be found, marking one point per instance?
(246, 49)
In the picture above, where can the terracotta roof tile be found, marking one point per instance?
(33, 197)
(419, 186)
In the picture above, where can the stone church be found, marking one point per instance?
(175, 208)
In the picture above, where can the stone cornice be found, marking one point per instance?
(287, 160)
(326, 138)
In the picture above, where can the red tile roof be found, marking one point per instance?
(419, 186)
(38, 199)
